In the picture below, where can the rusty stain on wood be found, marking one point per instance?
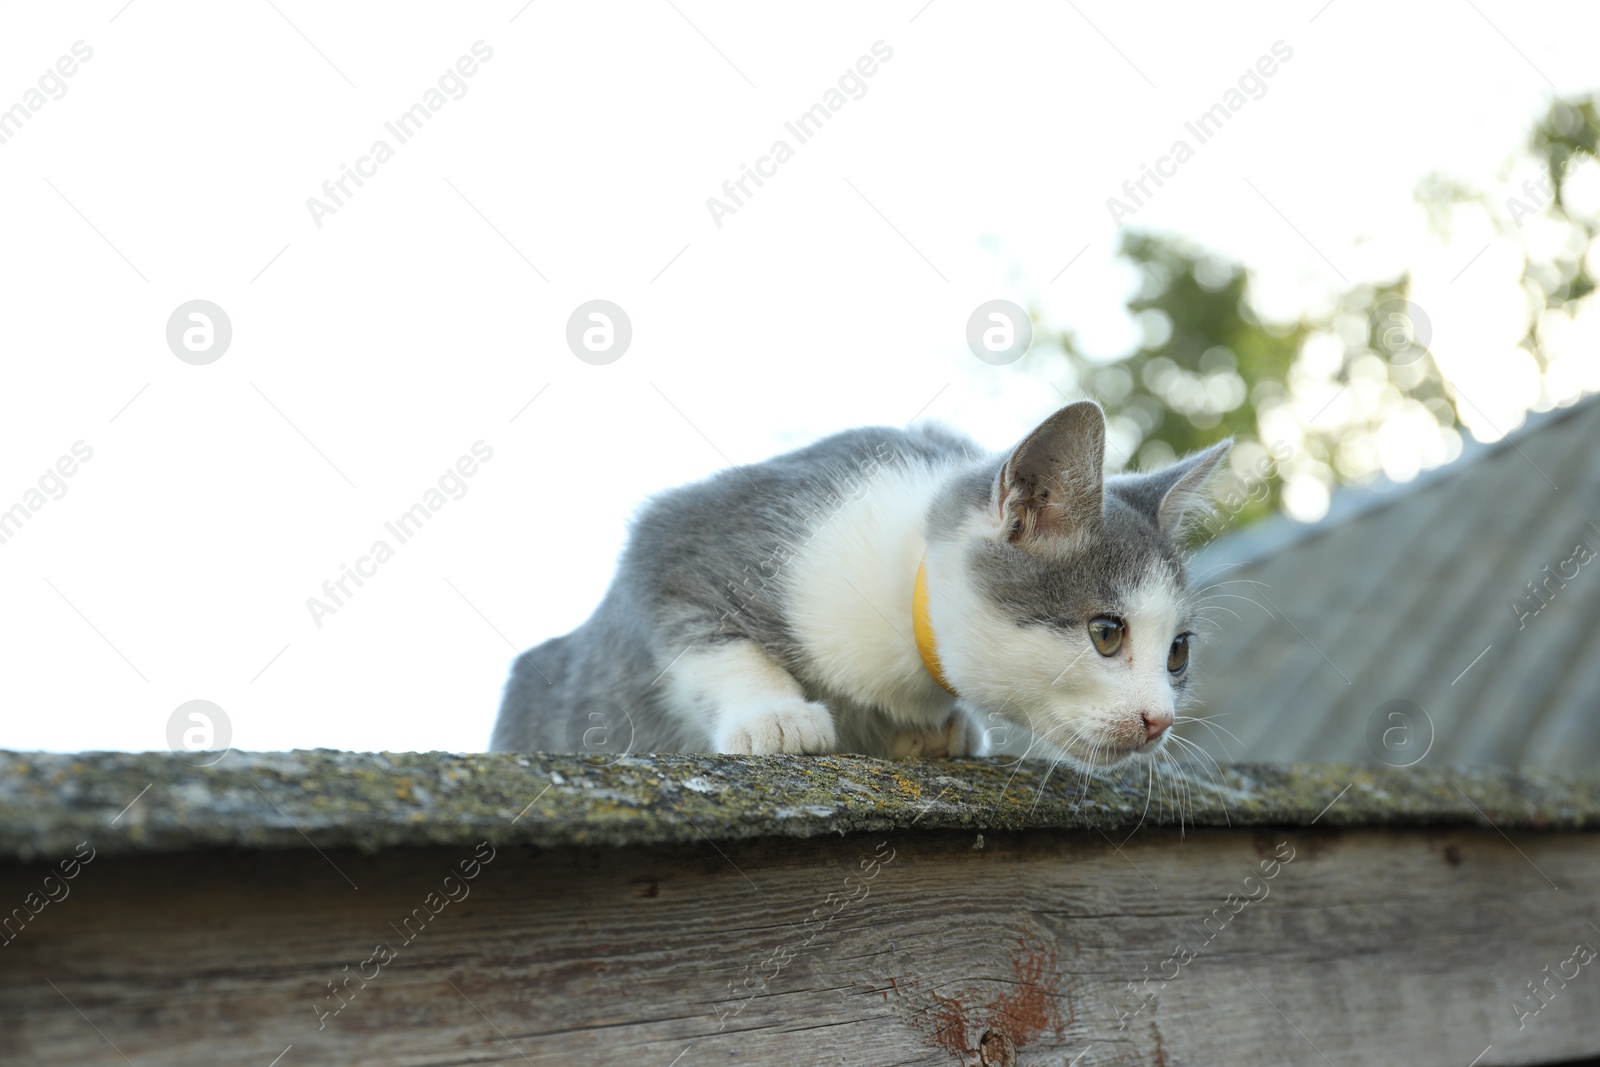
(950, 1024)
(1034, 1003)
(1030, 1004)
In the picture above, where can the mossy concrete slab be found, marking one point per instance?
(128, 802)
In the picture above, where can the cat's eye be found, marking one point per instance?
(1178, 654)
(1106, 633)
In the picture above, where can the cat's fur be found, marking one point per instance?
(768, 608)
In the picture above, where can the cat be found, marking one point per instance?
(889, 593)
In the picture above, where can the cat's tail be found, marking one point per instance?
(533, 714)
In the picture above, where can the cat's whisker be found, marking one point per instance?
(1206, 759)
(1213, 727)
(1180, 786)
(1189, 784)
(1082, 732)
(1233, 581)
(1188, 788)
(1150, 784)
(1223, 744)
(1213, 770)
(1162, 762)
(1217, 569)
(1235, 596)
(1046, 781)
(1169, 799)
(1189, 743)
(1200, 599)
(1037, 739)
(1083, 794)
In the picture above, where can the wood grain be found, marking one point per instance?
(1368, 947)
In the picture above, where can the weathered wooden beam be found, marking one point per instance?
(788, 911)
(377, 800)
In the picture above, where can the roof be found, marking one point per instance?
(1404, 627)
(156, 802)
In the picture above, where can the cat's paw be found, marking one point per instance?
(788, 726)
(957, 736)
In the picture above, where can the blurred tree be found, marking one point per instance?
(1208, 367)
(1308, 401)
(1559, 282)
(1565, 138)
(1557, 235)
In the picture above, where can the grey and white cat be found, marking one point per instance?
(769, 608)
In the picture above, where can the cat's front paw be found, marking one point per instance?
(789, 726)
(957, 736)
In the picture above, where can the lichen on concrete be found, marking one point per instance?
(131, 802)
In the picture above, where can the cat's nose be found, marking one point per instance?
(1156, 723)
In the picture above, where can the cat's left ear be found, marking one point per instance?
(1052, 483)
(1170, 493)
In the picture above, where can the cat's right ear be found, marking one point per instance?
(1052, 484)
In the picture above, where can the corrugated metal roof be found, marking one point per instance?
(1408, 595)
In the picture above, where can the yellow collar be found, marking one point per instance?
(927, 647)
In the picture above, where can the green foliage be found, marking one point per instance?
(1567, 136)
(1564, 137)
(1208, 367)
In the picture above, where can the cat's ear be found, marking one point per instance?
(1052, 483)
(1170, 493)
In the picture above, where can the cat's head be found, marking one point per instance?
(1059, 598)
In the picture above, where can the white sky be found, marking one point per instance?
(416, 322)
